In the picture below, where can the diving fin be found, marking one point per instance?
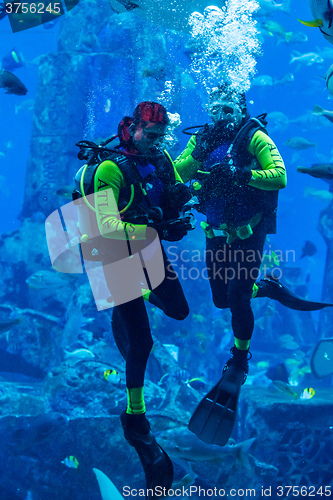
(214, 417)
(273, 289)
(156, 463)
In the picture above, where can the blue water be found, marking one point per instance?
(298, 215)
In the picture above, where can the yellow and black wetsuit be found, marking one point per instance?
(233, 268)
(130, 320)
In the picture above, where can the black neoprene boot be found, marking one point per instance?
(156, 463)
(239, 361)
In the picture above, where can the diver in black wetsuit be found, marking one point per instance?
(139, 181)
(237, 173)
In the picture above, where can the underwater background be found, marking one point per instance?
(83, 73)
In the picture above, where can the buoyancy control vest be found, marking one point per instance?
(235, 206)
(151, 191)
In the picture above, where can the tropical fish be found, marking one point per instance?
(197, 383)
(308, 393)
(44, 279)
(79, 355)
(262, 81)
(321, 194)
(106, 486)
(71, 462)
(322, 359)
(13, 59)
(112, 376)
(329, 79)
(308, 249)
(308, 59)
(280, 120)
(285, 388)
(318, 110)
(180, 443)
(322, 11)
(287, 78)
(293, 37)
(25, 106)
(273, 28)
(7, 325)
(318, 170)
(299, 143)
(270, 7)
(11, 83)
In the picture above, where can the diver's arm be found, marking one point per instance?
(272, 175)
(177, 176)
(107, 184)
(185, 164)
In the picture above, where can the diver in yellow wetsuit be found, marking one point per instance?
(137, 180)
(237, 172)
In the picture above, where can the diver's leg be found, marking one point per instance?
(169, 295)
(246, 260)
(217, 264)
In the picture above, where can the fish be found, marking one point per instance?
(40, 428)
(299, 143)
(71, 462)
(25, 106)
(293, 37)
(13, 59)
(322, 11)
(285, 388)
(107, 488)
(287, 78)
(308, 58)
(159, 73)
(197, 383)
(177, 376)
(279, 119)
(11, 83)
(65, 192)
(318, 110)
(318, 170)
(273, 28)
(8, 324)
(48, 280)
(79, 355)
(321, 194)
(308, 393)
(270, 8)
(308, 249)
(329, 79)
(180, 443)
(173, 14)
(262, 81)
(112, 376)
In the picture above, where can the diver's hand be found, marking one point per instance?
(173, 230)
(208, 139)
(225, 175)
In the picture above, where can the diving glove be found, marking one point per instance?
(173, 230)
(226, 175)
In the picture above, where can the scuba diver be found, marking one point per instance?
(236, 172)
(149, 196)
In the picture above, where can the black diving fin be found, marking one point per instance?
(214, 417)
(273, 289)
(156, 463)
